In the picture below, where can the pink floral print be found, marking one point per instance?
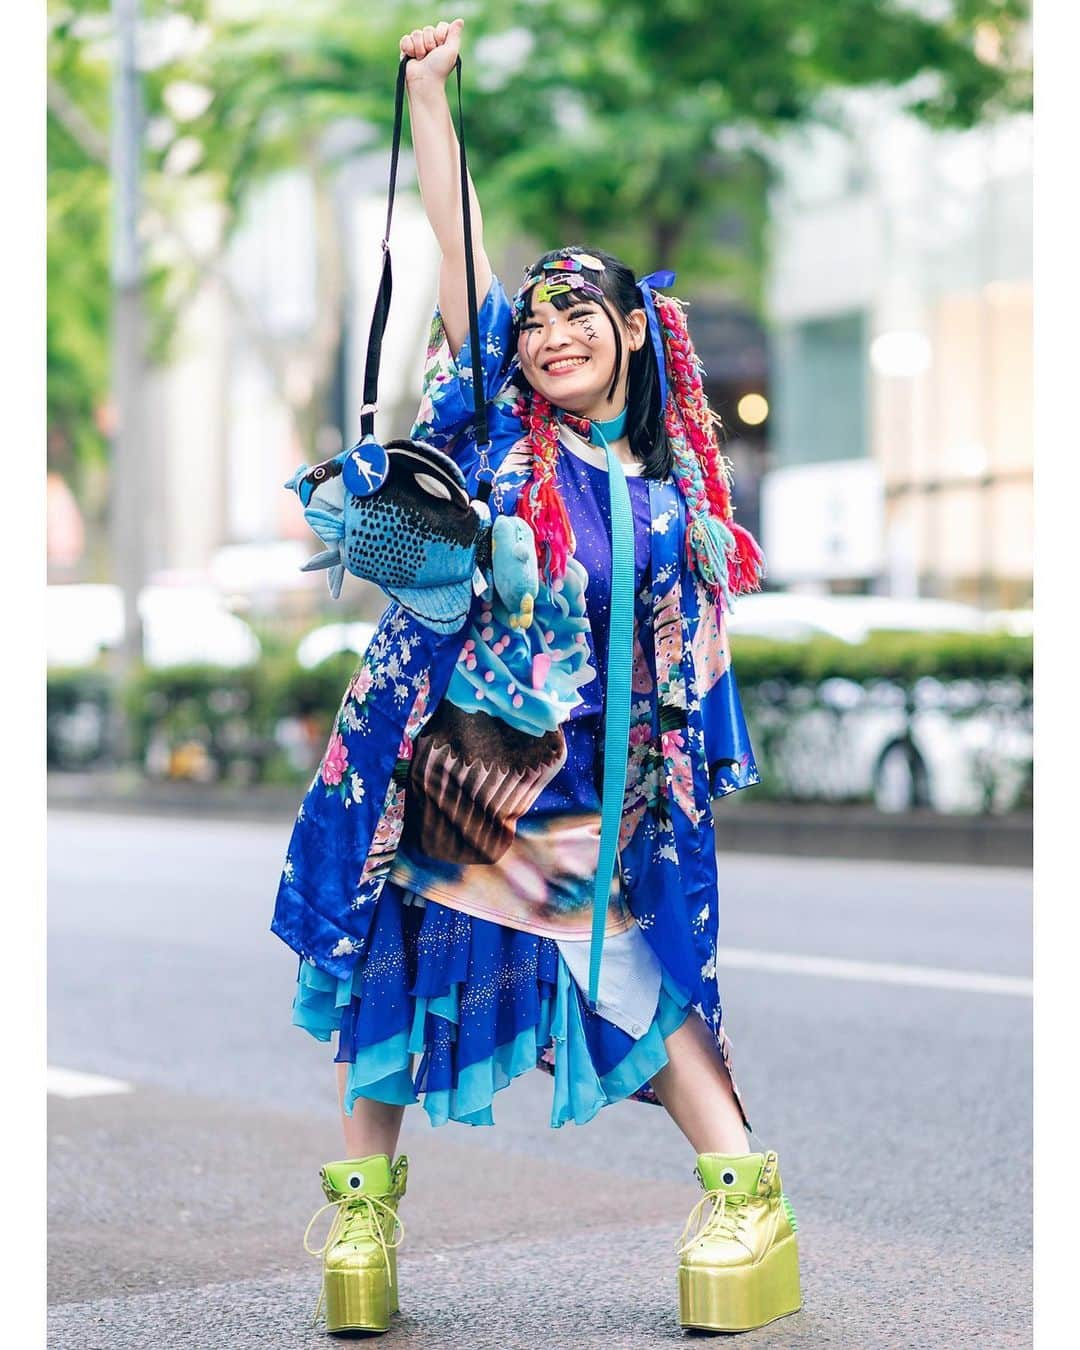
(335, 761)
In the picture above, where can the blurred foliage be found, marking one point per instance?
(78, 703)
(269, 723)
(209, 709)
(640, 126)
(291, 689)
(78, 213)
(900, 656)
(77, 262)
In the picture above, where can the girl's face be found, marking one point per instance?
(568, 356)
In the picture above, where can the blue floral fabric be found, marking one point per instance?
(337, 910)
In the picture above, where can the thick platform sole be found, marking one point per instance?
(741, 1298)
(359, 1300)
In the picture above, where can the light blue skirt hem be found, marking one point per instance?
(381, 1071)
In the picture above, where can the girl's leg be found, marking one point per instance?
(696, 1091)
(373, 1126)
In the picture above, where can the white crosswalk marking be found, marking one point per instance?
(71, 1083)
(875, 972)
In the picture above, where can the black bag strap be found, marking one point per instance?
(483, 438)
(386, 286)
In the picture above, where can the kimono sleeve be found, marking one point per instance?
(729, 753)
(728, 750)
(446, 400)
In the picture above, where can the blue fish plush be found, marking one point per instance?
(400, 515)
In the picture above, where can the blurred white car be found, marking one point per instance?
(1019, 622)
(333, 638)
(962, 747)
(791, 616)
(181, 625)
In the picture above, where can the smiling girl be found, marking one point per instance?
(464, 956)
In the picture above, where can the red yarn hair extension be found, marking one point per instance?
(540, 504)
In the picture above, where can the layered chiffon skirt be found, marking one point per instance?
(446, 1009)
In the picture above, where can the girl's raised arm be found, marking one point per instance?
(434, 51)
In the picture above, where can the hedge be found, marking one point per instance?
(900, 657)
(268, 722)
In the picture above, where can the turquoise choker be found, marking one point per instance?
(610, 430)
(599, 433)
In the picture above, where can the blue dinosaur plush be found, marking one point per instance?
(514, 570)
(400, 515)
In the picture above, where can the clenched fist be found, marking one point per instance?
(434, 51)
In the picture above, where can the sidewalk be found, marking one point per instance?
(799, 829)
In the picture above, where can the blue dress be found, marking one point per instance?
(444, 937)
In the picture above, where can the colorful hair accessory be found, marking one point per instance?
(549, 286)
(574, 281)
(547, 290)
(562, 265)
(518, 302)
(587, 260)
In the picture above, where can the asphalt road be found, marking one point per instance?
(899, 1100)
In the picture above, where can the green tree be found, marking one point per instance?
(665, 110)
(640, 125)
(77, 262)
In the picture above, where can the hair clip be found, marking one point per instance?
(575, 281)
(586, 260)
(547, 290)
(548, 286)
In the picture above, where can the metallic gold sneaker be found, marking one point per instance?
(740, 1261)
(360, 1252)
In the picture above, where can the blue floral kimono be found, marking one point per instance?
(477, 1001)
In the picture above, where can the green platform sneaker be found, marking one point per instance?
(739, 1261)
(360, 1287)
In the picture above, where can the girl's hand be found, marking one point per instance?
(434, 51)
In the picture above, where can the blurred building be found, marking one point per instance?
(232, 412)
(880, 433)
(734, 351)
(900, 308)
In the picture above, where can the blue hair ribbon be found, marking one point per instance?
(645, 285)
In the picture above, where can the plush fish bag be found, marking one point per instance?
(398, 515)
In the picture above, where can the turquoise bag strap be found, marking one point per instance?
(620, 656)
